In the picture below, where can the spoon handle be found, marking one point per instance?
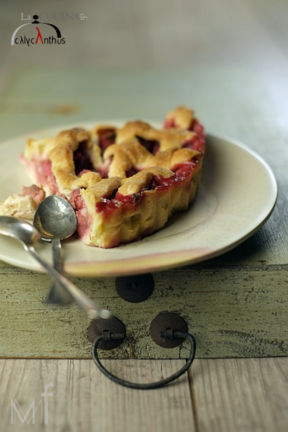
(57, 295)
(56, 252)
(89, 306)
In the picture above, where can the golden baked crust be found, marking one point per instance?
(124, 183)
(38, 148)
(182, 116)
(23, 205)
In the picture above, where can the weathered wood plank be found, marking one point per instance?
(239, 315)
(84, 399)
(232, 312)
(240, 395)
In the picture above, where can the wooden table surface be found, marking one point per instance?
(138, 59)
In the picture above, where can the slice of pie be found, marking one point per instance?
(124, 183)
(23, 205)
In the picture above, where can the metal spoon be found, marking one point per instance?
(28, 236)
(56, 220)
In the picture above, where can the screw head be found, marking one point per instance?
(135, 289)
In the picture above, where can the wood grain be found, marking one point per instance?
(236, 305)
(232, 313)
(136, 60)
(240, 395)
(83, 399)
(211, 63)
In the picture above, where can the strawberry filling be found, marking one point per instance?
(104, 168)
(132, 171)
(83, 163)
(36, 193)
(170, 123)
(42, 172)
(151, 145)
(196, 127)
(81, 158)
(83, 220)
(106, 138)
(107, 205)
(76, 200)
(183, 171)
(196, 143)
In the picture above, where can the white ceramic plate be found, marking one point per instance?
(237, 194)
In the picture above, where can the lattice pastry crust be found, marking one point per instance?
(123, 183)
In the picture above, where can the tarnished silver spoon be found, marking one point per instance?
(28, 236)
(56, 220)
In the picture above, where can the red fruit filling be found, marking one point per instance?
(83, 172)
(76, 199)
(132, 171)
(170, 123)
(106, 138)
(151, 145)
(104, 168)
(81, 158)
(129, 200)
(83, 221)
(36, 193)
(83, 163)
(181, 172)
(108, 205)
(196, 143)
(105, 205)
(42, 170)
(196, 127)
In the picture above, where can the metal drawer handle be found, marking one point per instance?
(170, 335)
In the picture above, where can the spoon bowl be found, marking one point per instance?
(56, 220)
(19, 229)
(28, 236)
(55, 217)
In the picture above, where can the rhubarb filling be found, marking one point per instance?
(83, 220)
(151, 145)
(83, 162)
(196, 143)
(132, 171)
(170, 123)
(120, 209)
(81, 159)
(106, 137)
(182, 172)
(195, 125)
(104, 168)
(36, 193)
(42, 173)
